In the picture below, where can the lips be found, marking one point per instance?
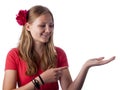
(45, 36)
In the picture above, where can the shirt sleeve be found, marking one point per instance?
(61, 57)
(11, 63)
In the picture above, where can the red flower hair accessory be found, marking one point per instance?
(21, 17)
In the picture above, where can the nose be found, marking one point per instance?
(48, 29)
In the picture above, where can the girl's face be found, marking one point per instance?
(41, 29)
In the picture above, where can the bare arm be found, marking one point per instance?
(77, 84)
(10, 79)
(68, 84)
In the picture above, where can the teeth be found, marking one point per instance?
(44, 36)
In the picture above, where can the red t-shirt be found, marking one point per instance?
(14, 62)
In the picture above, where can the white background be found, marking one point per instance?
(83, 28)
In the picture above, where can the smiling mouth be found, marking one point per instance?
(45, 36)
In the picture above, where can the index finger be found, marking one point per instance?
(62, 68)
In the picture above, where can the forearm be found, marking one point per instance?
(28, 86)
(77, 84)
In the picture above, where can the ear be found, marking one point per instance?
(27, 26)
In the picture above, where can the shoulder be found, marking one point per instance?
(12, 59)
(13, 52)
(59, 50)
(61, 57)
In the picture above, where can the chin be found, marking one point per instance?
(44, 41)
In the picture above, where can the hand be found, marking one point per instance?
(53, 74)
(98, 61)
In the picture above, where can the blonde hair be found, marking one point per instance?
(26, 45)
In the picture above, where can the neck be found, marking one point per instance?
(39, 47)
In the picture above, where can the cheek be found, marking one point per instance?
(36, 33)
(33, 33)
(51, 33)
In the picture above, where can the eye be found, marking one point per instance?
(52, 25)
(42, 26)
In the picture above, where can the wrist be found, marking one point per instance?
(36, 83)
(42, 81)
(43, 78)
(37, 78)
(86, 66)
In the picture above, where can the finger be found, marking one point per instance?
(109, 60)
(61, 68)
(112, 58)
(59, 74)
(58, 77)
(100, 58)
(106, 61)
